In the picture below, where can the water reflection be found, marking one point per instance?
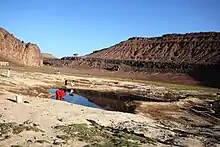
(76, 99)
(102, 100)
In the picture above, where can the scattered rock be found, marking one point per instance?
(29, 141)
(35, 124)
(58, 142)
(26, 102)
(42, 141)
(27, 122)
(97, 134)
(16, 146)
(7, 136)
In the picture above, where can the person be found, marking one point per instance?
(8, 74)
(71, 92)
(60, 94)
(65, 82)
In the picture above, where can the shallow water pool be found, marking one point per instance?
(76, 99)
(102, 100)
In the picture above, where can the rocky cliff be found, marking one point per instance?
(191, 48)
(18, 52)
(169, 53)
(196, 55)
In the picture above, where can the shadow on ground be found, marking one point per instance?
(208, 75)
(119, 101)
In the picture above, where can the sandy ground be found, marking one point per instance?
(37, 117)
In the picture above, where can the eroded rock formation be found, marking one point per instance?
(18, 52)
(190, 48)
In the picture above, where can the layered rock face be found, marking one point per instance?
(18, 52)
(169, 53)
(194, 55)
(190, 48)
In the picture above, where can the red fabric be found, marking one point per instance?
(60, 94)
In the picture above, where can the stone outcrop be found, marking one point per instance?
(190, 48)
(17, 52)
(169, 53)
(196, 55)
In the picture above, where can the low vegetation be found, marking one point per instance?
(100, 136)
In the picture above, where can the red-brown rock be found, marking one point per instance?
(18, 52)
(190, 48)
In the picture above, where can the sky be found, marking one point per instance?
(65, 27)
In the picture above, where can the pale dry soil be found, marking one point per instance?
(40, 121)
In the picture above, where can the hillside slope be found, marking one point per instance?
(47, 55)
(16, 51)
(191, 48)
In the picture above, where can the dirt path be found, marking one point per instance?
(39, 121)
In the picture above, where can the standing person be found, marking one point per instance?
(9, 72)
(65, 83)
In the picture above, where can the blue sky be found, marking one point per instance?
(64, 27)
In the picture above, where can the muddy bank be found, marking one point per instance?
(119, 101)
(126, 96)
